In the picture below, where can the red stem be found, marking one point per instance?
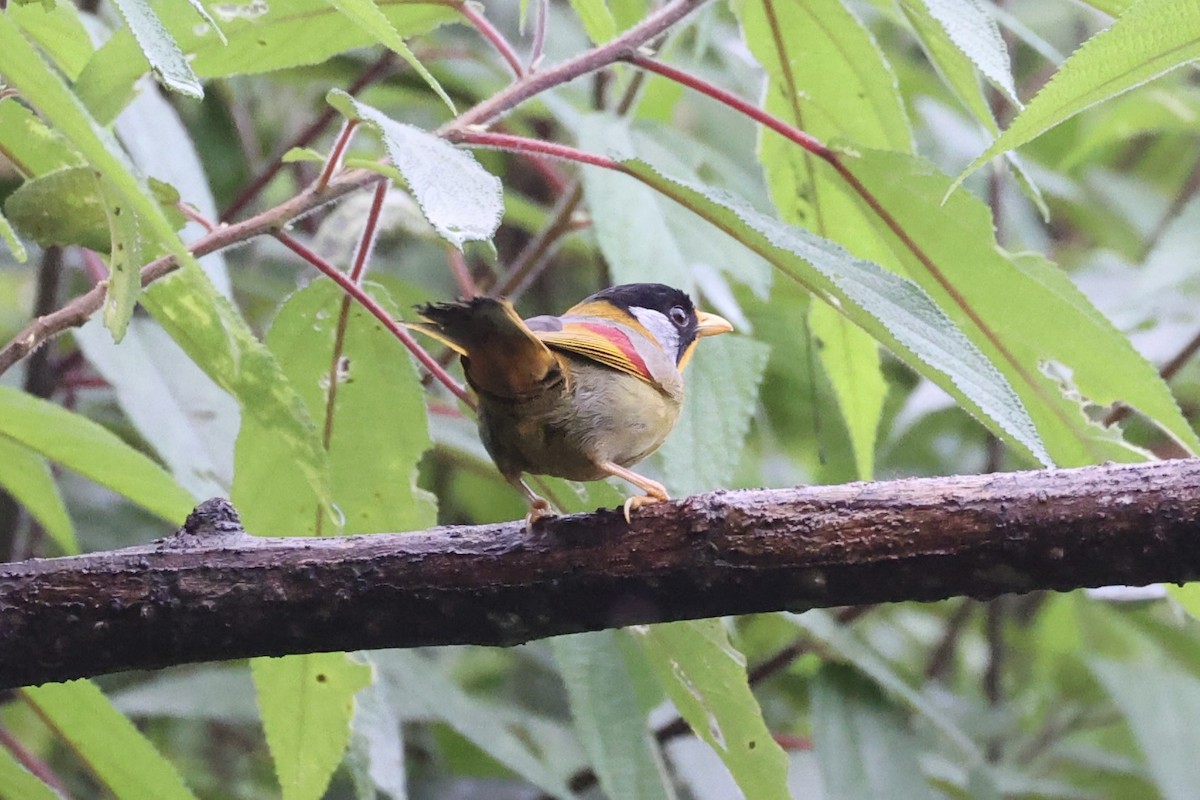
(522, 144)
(367, 302)
(458, 265)
(334, 162)
(370, 233)
(810, 143)
(489, 32)
(372, 74)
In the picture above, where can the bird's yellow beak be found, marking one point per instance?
(711, 324)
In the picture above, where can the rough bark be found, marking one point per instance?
(212, 592)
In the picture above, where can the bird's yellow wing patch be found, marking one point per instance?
(604, 344)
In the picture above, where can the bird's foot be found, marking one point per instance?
(634, 503)
(539, 509)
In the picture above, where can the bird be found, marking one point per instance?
(582, 396)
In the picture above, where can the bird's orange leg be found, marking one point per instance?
(655, 491)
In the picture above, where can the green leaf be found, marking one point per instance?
(64, 207)
(107, 82)
(424, 689)
(264, 38)
(218, 340)
(721, 398)
(1058, 352)
(366, 15)
(127, 253)
(33, 148)
(705, 677)
(17, 783)
(863, 743)
(597, 19)
(971, 28)
(27, 477)
(1149, 39)
(212, 692)
(846, 644)
(897, 312)
(307, 702)
(851, 360)
(461, 199)
(376, 750)
(608, 718)
(59, 30)
(83, 446)
(121, 757)
(643, 235)
(378, 430)
(954, 66)
(24, 68)
(189, 421)
(1161, 705)
(160, 49)
(819, 51)
(9, 236)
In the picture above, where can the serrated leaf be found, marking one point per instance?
(971, 28)
(83, 446)
(597, 19)
(376, 751)
(217, 339)
(1161, 713)
(366, 15)
(863, 743)
(161, 50)
(307, 702)
(608, 718)
(24, 68)
(461, 200)
(851, 360)
(722, 383)
(643, 235)
(827, 75)
(705, 677)
(1150, 38)
(121, 757)
(422, 688)
(1024, 313)
(64, 207)
(894, 310)
(378, 430)
(27, 477)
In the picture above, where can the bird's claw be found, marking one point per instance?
(539, 509)
(634, 503)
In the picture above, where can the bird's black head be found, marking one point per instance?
(665, 311)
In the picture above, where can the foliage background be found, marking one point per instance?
(221, 382)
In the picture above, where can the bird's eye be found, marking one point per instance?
(679, 316)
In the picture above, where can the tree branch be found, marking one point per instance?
(212, 591)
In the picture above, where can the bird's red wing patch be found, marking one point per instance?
(604, 344)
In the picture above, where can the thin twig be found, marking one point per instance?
(368, 302)
(79, 310)
(493, 35)
(376, 71)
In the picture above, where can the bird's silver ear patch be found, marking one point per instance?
(660, 327)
